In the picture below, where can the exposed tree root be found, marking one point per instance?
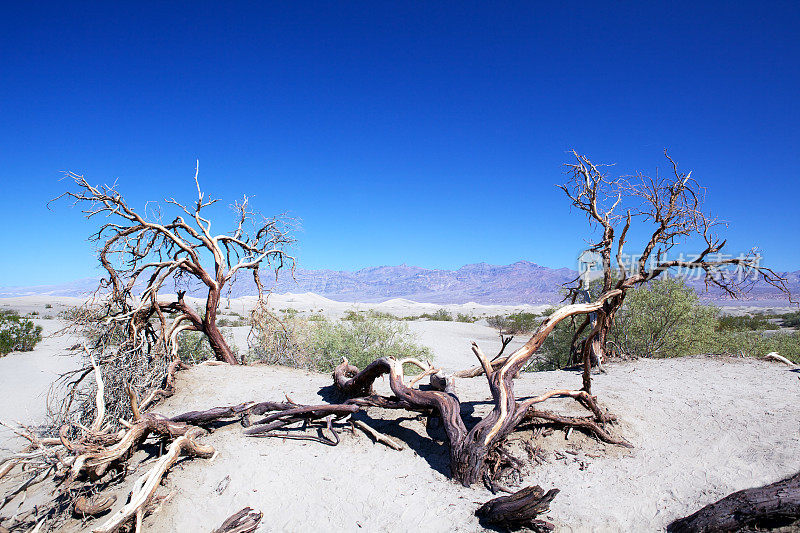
(244, 521)
(379, 437)
(587, 423)
(519, 509)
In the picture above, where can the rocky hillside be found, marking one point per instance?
(518, 283)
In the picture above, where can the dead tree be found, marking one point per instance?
(85, 469)
(140, 252)
(671, 207)
(674, 206)
(472, 448)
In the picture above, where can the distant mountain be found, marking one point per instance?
(522, 282)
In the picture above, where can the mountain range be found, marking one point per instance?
(522, 282)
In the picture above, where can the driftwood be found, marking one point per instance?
(519, 509)
(773, 356)
(147, 485)
(471, 448)
(768, 507)
(243, 521)
(379, 437)
(93, 506)
(79, 463)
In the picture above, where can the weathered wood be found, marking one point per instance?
(583, 422)
(93, 506)
(519, 509)
(147, 485)
(768, 507)
(469, 449)
(243, 521)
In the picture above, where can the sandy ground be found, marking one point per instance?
(25, 378)
(702, 428)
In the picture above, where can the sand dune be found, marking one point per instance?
(702, 428)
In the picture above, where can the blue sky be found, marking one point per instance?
(420, 132)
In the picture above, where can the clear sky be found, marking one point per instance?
(429, 133)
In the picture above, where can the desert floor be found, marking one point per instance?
(702, 428)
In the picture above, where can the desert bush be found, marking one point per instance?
(757, 344)
(442, 315)
(382, 314)
(661, 319)
(17, 334)
(664, 318)
(361, 315)
(499, 322)
(514, 323)
(555, 351)
(233, 321)
(461, 317)
(320, 345)
(353, 315)
(193, 346)
(48, 306)
(755, 322)
(790, 320)
(522, 322)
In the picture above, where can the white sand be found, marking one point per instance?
(25, 378)
(702, 427)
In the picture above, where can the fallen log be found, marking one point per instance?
(768, 507)
(519, 509)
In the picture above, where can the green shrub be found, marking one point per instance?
(193, 346)
(442, 315)
(17, 334)
(357, 316)
(756, 322)
(361, 342)
(790, 320)
(48, 306)
(555, 350)
(664, 318)
(522, 322)
(461, 317)
(353, 316)
(499, 322)
(514, 323)
(321, 345)
(757, 344)
(232, 322)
